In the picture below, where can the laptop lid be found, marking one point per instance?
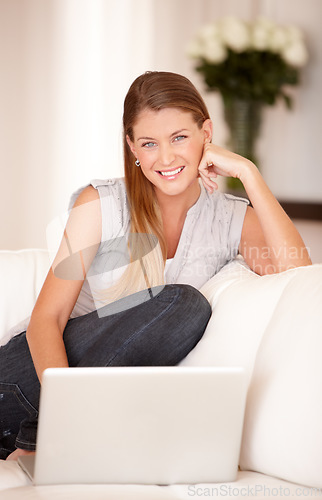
(143, 425)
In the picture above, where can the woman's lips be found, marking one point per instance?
(171, 174)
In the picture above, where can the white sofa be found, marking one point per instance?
(272, 326)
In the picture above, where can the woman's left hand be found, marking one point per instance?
(219, 161)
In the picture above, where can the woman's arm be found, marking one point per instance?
(270, 243)
(64, 282)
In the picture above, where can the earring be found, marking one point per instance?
(137, 163)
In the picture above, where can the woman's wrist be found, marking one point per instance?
(248, 172)
(251, 178)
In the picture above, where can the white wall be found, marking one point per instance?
(290, 146)
(65, 66)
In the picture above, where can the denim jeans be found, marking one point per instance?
(158, 332)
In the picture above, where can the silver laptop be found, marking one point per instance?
(138, 425)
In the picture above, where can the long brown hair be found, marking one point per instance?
(154, 90)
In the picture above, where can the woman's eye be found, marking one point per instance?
(179, 138)
(147, 144)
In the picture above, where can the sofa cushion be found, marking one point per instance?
(22, 275)
(283, 421)
(272, 326)
(243, 304)
(14, 485)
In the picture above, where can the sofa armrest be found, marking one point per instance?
(22, 275)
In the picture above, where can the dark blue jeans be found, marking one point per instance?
(158, 332)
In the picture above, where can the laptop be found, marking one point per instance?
(138, 425)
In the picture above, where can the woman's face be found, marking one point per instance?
(169, 145)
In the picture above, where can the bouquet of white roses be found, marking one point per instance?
(250, 61)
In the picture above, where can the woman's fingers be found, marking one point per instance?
(209, 184)
(216, 160)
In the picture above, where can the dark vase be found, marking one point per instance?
(243, 118)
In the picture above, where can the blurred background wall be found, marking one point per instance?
(65, 66)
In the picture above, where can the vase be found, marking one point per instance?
(243, 118)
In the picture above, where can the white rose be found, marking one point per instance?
(214, 52)
(206, 39)
(278, 39)
(234, 33)
(261, 33)
(260, 37)
(208, 32)
(295, 54)
(208, 45)
(293, 33)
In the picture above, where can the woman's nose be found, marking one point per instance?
(166, 155)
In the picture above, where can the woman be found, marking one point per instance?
(104, 301)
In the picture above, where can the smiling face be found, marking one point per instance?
(169, 145)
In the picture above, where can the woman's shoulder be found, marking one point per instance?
(98, 188)
(224, 208)
(220, 197)
(86, 195)
(223, 203)
(118, 182)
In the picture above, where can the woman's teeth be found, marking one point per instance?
(172, 172)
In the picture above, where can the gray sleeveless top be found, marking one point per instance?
(209, 239)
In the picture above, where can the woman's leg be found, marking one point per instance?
(19, 397)
(160, 332)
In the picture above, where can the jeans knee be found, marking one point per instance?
(198, 304)
(188, 317)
